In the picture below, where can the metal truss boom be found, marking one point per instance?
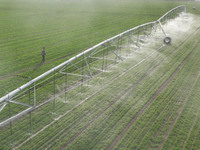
(89, 53)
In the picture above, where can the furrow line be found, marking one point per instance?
(178, 113)
(193, 123)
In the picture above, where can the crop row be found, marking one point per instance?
(190, 113)
(149, 130)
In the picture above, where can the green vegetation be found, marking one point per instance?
(148, 101)
(65, 28)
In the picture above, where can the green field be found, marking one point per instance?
(148, 101)
(65, 28)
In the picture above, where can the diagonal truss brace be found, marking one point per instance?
(162, 28)
(113, 51)
(4, 105)
(88, 66)
(15, 102)
(3, 123)
(86, 75)
(134, 42)
(101, 58)
(20, 103)
(146, 32)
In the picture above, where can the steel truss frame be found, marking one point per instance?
(110, 46)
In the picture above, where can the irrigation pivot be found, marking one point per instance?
(79, 68)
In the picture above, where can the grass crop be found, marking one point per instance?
(113, 106)
(65, 28)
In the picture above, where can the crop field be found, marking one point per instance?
(143, 96)
(65, 28)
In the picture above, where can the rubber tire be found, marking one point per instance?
(167, 40)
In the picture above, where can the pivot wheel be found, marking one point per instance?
(167, 40)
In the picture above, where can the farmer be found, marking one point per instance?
(43, 53)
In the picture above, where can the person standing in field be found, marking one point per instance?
(43, 53)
